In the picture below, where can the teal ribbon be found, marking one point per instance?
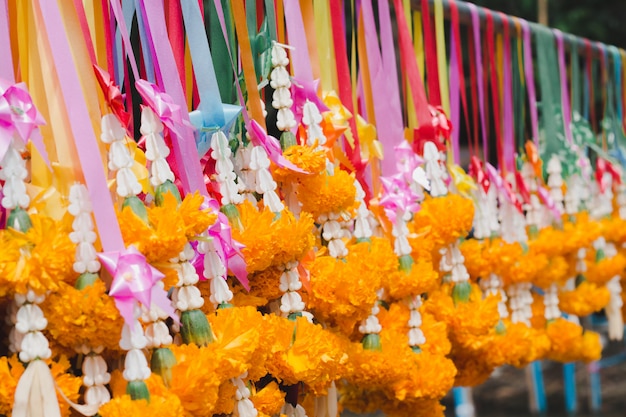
(553, 138)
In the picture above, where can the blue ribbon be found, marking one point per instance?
(211, 115)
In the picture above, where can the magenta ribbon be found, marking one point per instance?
(259, 137)
(228, 249)
(6, 69)
(546, 198)
(18, 115)
(84, 137)
(479, 76)
(566, 111)
(530, 81)
(398, 197)
(134, 280)
(503, 186)
(162, 104)
(384, 83)
(455, 108)
(184, 145)
(508, 128)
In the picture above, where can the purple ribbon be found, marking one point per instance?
(530, 82)
(567, 114)
(549, 202)
(135, 280)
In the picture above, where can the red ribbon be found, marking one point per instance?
(430, 44)
(477, 172)
(112, 95)
(494, 85)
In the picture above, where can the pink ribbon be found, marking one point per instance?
(479, 76)
(509, 134)
(6, 69)
(406, 161)
(476, 170)
(303, 91)
(228, 249)
(530, 81)
(19, 115)
(135, 280)
(384, 83)
(398, 197)
(503, 187)
(184, 145)
(259, 137)
(548, 201)
(82, 130)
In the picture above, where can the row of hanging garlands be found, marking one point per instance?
(256, 208)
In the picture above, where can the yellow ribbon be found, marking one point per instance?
(441, 57)
(323, 30)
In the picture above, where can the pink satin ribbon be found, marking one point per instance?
(6, 69)
(134, 279)
(82, 130)
(479, 77)
(384, 84)
(530, 82)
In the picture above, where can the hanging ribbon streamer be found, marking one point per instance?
(85, 138)
(211, 114)
(185, 152)
(565, 103)
(508, 116)
(432, 70)
(480, 77)
(552, 140)
(353, 151)
(457, 82)
(384, 83)
(440, 38)
(495, 90)
(530, 82)
(304, 85)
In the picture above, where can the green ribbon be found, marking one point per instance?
(519, 95)
(221, 58)
(552, 139)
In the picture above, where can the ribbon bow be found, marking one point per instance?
(134, 280)
(397, 197)
(503, 187)
(259, 137)
(162, 104)
(206, 122)
(406, 160)
(18, 115)
(228, 249)
(436, 130)
(112, 95)
(476, 171)
(303, 91)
